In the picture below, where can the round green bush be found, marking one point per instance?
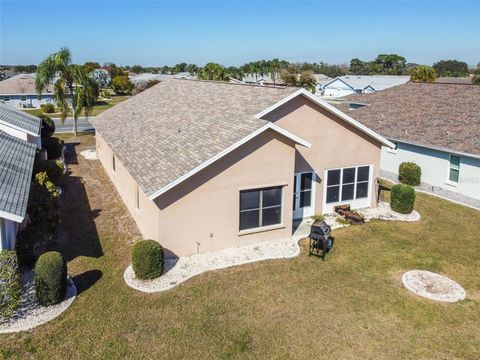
(147, 259)
(48, 108)
(54, 147)
(409, 173)
(50, 278)
(402, 198)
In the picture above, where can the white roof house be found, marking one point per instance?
(146, 77)
(350, 84)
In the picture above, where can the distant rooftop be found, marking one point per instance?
(146, 77)
(378, 82)
(22, 84)
(19, 119)
(16, 165)
(445, 116)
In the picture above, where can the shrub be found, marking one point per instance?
(9, 283)
(43, 179)
(54, 147)
(48, 108)
(147, 259)
(50, 278)
(402, 198)
(48, 126)
(55, 170)
(409, 173)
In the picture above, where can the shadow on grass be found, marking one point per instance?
(78, 234)
(86, 280)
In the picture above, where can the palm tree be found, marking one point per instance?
(73, 87)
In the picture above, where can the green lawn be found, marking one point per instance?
(352, 306)
(100, 107)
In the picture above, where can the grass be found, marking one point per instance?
(99, 107)
(350, 306)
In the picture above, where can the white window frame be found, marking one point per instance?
(452, 167)
(260, 208)
(354, 203)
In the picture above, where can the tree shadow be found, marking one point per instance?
(86, 280)
(77, 234)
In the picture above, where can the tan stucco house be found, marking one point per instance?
(205, 165)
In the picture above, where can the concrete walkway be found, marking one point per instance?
(437, 191)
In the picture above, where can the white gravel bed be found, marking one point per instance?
(183, 268)
(384, 212)
(433, 286)
(90, 154)
(30, 313)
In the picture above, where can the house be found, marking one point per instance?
(360, 84)
(434, 125)
(16, 166)
(146, 77)
(20, 124)
(321, 80)
(19, 91)
(205, 165)
(262, 79)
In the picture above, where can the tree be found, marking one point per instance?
(234, 72)
(289, 75)
(213, 71)
(137, 69)
(476, 77)
(89, 66)
(2, 73)
(358, 67)
(391, 64)
(192, 69)
(453, 68)
(423, 73)
(182, 67)
(114, 70)
(307, 80)
(144, 86)
(122, 85)
(102, 77)
(73, 87)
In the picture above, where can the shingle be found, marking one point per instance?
(20, 119)
(16, 164)
(446, 116)
(175, 126)
(22, 84)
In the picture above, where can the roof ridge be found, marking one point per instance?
(278, 87)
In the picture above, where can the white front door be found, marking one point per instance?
(304, 195)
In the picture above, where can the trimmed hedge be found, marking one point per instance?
(9, 283)
(48, 108)
(48, 126)
(55, 170)
(402, 198)
(147, 259)
(50, 278)
(409, 173)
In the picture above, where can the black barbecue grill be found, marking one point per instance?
(321, 242)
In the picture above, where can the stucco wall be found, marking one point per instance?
(435, 167)
(334, 143)
(202, 213)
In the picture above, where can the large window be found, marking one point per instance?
(454, 168)
(260, 207)
(347, 184)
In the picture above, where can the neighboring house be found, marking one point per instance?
(16, 165)
(262, 79)
(360, 84)
(19, 91)
(434, 125)
(205, 165)
(321, 80)
(20, 124)
(146, 77)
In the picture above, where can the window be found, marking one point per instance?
(454, 168)
(6, 98)
(39, 97)
(347, 184)
(260, 207)
(113, 163)
(23, 98)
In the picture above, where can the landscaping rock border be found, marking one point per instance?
(181, 269)
(433, 286)
(89, 154)
(30, 313)
(383, 211)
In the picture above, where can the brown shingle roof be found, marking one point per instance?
(21, 84)
(168, 130)
(445, 116)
